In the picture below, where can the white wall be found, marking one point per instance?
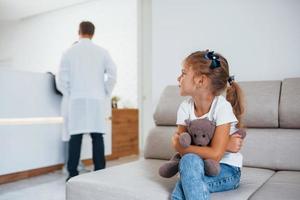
(36, 43)
(260, 39)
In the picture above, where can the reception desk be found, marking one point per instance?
(31, 125)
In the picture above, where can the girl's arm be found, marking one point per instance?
(217, 146)
(181, 129)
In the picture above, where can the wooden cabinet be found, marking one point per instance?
(125, 137)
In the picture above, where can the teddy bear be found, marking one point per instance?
(200, 133)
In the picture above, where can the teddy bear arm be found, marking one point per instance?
(185, 139)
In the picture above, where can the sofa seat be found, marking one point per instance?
(282, 185)
(140, 180)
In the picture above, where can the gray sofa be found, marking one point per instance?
(271, 151)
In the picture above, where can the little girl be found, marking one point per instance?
(204, 77)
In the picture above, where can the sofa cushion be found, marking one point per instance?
(261, 99)
(266, 148)
(135, 180)
(275, 149)
(158, 144)
(289, 107)
(166, 109)
(140, 180)
(282, 185)
(251, 180)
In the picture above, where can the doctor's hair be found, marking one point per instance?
(86, 28)
(220, 81)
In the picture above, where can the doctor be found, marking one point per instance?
(86, 77)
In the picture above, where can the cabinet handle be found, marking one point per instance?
(109, 118)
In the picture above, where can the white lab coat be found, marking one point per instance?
(86, 77)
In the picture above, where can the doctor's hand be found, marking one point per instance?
(177, 145)
(235, 143)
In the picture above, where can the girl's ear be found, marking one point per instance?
(204, 79)
(200, 80)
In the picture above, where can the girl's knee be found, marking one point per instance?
(191, 159)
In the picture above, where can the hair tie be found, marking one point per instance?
(214, 59)
(230, 79)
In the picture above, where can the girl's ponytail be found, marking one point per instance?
(235, 96)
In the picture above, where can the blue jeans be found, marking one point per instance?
(194, 184)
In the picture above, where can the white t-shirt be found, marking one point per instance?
(221, 113)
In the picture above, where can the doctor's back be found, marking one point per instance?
(86, 78)
(88, 64)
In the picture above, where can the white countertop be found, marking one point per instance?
(30, 121)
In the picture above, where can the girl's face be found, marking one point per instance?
(186, 81)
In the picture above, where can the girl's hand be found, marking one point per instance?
(176, 144)
(235, 143)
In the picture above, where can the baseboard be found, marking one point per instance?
(29, 173)
(7, 178)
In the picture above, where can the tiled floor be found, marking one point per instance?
(45, 187)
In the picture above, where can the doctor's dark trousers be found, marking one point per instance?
(75, 148)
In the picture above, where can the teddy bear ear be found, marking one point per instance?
(187, 121)
(188, 124)
(213, 123)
